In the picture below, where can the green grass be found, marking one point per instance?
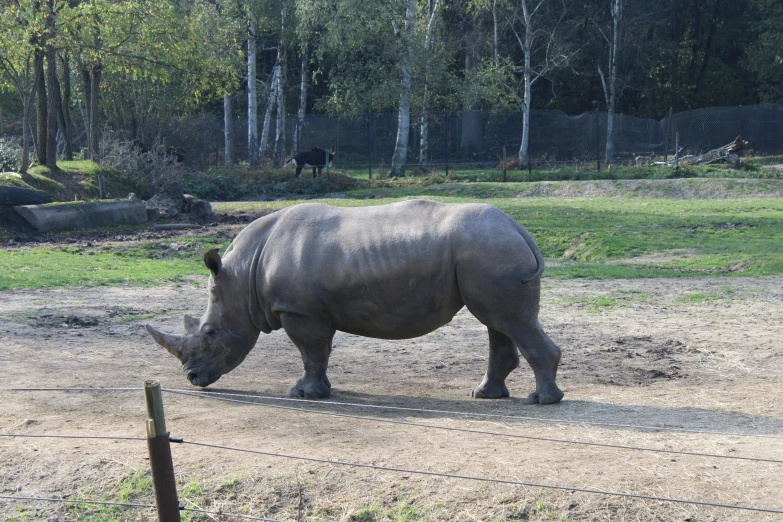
(138, 265)
(616, 238)
(134, 488)
(595, 238)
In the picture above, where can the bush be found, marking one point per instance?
(145, 172)
(10, 154)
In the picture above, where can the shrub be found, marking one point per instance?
(146, 172)
(10, 154)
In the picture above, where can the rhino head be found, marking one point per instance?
(219, 341)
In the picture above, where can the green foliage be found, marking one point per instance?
(220, 185)
(10, 155)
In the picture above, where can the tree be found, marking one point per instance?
(424, 129)
(610, 91)
(20, 26)
(403, 114)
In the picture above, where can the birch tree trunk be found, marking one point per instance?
(524, 148)
(252, 97)
(302, 103)
(403, 116)
(617, 14)
(228, 133)
(279, 152)
(270, 105)
(424, 129)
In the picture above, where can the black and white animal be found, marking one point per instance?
(315, 158)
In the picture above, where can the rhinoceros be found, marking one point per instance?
(393, 271)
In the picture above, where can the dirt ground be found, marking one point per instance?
(703, 355)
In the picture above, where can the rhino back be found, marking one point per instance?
(384, 271)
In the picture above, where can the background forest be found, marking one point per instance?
(74, 71)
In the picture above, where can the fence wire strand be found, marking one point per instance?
(486, 479)
(483, 415)
(419, 410)
(61, 436)
(494, 433)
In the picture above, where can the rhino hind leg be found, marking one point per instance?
(314, 341)
(503, 359)
(543, 355)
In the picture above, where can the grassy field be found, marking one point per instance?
(581, 238)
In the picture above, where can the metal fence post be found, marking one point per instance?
(677, 149)
(504, 163)
(447, 144)
(160, 455)
(666, 138)
(369, 145)
(597, 140)
(739, 121)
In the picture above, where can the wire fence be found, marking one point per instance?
(222, 396)
(468, 139)
(477, 140)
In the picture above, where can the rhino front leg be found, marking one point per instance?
(503, 359)
(314, 340)
(543, 355)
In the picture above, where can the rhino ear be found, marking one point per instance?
(191, 324)
(212, 261)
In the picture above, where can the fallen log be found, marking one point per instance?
(64, 216)
(176, 226)
(22, 196)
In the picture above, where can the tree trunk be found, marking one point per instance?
(495, 28)
(524, 147)
(270, 105)
(64, 102)
(95, 86)
(279, 152)
(617, 13)
(252, 97)
(424, 129)
(42, 112)
(27, 104)
(228, 133)
(302, 103)
(403, 117)
(52, 106)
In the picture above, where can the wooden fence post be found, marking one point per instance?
(160, 455)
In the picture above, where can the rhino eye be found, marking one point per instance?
(208, 330)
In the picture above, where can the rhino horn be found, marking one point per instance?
(172, 343)
(191, 324)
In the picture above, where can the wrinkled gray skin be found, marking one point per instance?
(394, 271)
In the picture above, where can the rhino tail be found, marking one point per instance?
(536, 253)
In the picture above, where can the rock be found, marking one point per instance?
(153, 214)
(200, 208)
(167, 205)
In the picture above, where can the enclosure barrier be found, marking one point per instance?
(168, 507)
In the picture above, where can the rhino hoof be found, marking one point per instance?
(544, 398)
(313, 390)
(486, 391)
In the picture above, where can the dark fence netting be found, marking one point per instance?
(471, 139)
